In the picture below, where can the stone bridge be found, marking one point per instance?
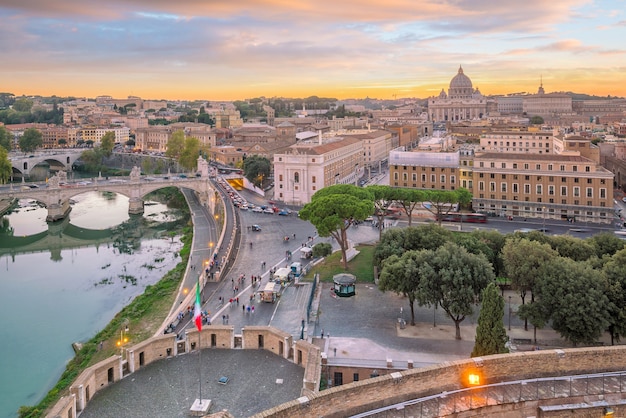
(23, 165)
(56, 196)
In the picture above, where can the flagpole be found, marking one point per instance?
(200, 368)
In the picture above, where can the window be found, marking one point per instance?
(313, 179)
(562, 168)
(563, 190)
(525, 166)
(492, 165)
(575, 168)
(432, 178)
(538, 167)
(296, 177)
(481, 186)
(423, 178)
(539, 189)
(280, 177)
(452, 179)
(514, 165)
(589, 191)
(576, 191)
(527, 189)
(395, 176)
(442, 179)
(503, 165)
(503, 187)
(551, 190)
(414, 177)
(602, 193)
(492, 187)
(589, 181)
(405, 176)
(515, 188)
(587, 168)
(549, 167)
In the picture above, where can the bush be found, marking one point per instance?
(323, 249)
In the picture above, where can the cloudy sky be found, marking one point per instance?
(237, 49)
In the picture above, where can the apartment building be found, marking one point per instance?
(155, 138)
(59, 137)
(306, 168)
(515, 183)
(122, 134)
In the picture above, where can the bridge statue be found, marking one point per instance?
(135, 174)
(59, 178)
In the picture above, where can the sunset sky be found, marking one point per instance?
(237, 49)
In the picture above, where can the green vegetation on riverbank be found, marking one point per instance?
(143, 316)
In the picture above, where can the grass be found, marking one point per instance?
(361, 266)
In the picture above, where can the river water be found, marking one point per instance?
(64, 285)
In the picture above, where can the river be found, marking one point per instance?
(68, 291)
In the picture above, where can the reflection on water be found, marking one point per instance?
(63, 282)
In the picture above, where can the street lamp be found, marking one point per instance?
(123, 338)
(544, 219)
(509, 313)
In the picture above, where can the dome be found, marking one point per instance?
(461, 81)
(460, 86)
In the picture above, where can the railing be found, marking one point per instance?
(461, 400)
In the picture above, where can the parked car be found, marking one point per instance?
(257, 209)
(268, 210)
(283, 213)
(256, 228)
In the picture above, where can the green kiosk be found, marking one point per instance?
(344, 284)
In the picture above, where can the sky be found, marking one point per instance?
(238, 49)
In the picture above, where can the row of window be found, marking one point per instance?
(534, 144)
(433, 177)
(528, 178)
(526, 166)
(539, 188)
(539, 200)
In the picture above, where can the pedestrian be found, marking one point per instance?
(101, 344)
(223, 319)
(244, 308)
(294, 236)
(227, 318)
(248, 309)
(251, 296)
(252, 308)
(322, 332)
(237, 301)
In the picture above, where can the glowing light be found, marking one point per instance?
(473, 379)
(185, 290)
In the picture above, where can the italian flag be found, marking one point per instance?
(197, 313)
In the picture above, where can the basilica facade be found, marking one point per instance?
(462, 102)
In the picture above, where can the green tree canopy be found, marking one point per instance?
(615, 273)
(175, 145)
(523, 261)
(408, 199)
(402, 275)
(397, 241)
(333, 208)
(383, 198)
(5, 138)
(6, 169)
(189, 156)
(256, 168)
(107, 143)
(574, 295)
(454, 279)
(23, 105)
(490, 333)
(31, 140)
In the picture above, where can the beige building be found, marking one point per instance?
(462, 102)
(226, 155)
(155, 138)
(547, 104)
(95, 134)
(306, 168)
(558, 186)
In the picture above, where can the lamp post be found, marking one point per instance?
(544, 219)
(123, 338)
(509, 313)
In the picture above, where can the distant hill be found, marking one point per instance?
(583, 96)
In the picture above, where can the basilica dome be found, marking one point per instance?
(460, 86)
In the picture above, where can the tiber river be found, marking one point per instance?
(68, 291)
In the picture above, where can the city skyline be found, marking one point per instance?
(193, 49)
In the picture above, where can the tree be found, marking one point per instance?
(454, 279)
(322, 249)
(5, 138)
(615, 273)
(574, 295)
(397, 241)
(6, 169)
(256, 169)
(536, 120)
(490, 333)
(62, 142)
(333, 208)
(402, 275)
(441, 202)
(189, 156)
(31, 140)
(175, 145)
(572, 247)
(23, 105)
(606, 243)
(107, 143)
(408, 199)
(383, 198)
(523, 261)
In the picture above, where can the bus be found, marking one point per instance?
(463, 217)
